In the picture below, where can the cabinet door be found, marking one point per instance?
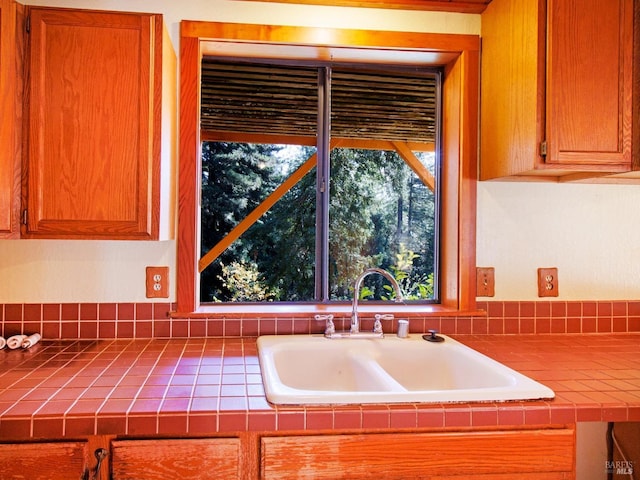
(589, 82)
(182, 459)
(547, 454)
(42, 461)
(512, 88)
(10, 106)
(92, 116)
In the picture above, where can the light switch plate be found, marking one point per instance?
(485, 281)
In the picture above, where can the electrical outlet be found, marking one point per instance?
(547, 282)
(485, 281)
(157, 282)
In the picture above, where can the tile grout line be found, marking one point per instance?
(135, 397)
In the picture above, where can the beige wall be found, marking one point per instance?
(282, 14)
(587, 231)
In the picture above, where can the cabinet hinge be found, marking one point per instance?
(543, 149)
(24, 216)
(27, 24)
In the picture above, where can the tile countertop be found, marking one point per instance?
(203, 386)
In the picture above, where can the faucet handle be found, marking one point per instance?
(330, 328)
(377, 326)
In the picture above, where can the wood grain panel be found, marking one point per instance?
(180, 459)
(188, 176)
(42, 461)
(459, 173)
(445, 43)
(10, 106)
(589, 81)
(438, 455)
(512, 94)
(91, 121)
(8, 122)
(463, 6)
(509, 476)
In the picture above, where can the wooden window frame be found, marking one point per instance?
(459, 54)
(462, 6)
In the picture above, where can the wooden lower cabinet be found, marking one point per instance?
(179, 459)
(43, 461)
(525, 454)
(489, 454)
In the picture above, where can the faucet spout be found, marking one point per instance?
(355, 320)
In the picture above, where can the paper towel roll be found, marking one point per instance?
(31, 340)
(15, 341)
(3, 343)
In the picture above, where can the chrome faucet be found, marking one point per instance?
(355, 320)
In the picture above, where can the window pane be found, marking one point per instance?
(273, 260)
(383, 198)
(381, 215)
(257, 108)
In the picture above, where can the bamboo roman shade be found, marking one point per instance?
(280, 99)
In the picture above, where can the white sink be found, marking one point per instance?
(314, 370)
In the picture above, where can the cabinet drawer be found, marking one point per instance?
(493, 454)
(42, 461)
(180, 459)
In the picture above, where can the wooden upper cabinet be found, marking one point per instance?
(589, 73)
(10, 106)
(94, 128)
(557, 88)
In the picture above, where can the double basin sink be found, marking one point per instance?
(314, 370)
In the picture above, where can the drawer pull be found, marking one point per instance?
(100, 454)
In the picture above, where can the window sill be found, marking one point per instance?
(338, 309)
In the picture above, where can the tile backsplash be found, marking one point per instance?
(153, 320)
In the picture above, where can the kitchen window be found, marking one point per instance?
(265, 185)
(342, 54)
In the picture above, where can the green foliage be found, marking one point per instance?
(414, 285)
(353, 205)
(244, 282)
(379, 207)
(380, 215)
(286, 241)
(236, 177)
(366, 292)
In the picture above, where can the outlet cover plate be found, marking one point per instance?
(157, 282)
(547, 282)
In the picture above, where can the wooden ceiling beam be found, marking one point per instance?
(416, 165)
(309, 141)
